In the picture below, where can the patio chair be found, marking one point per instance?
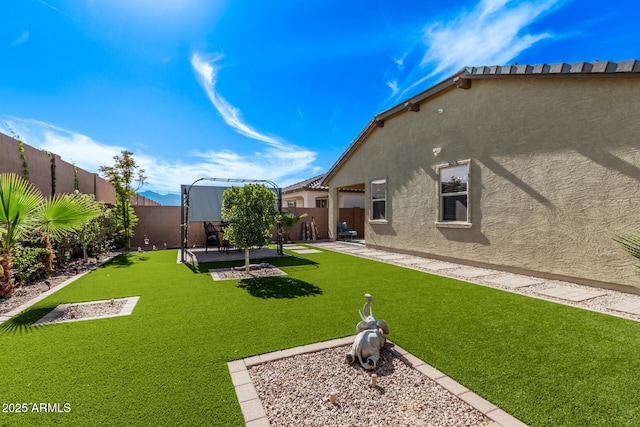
(212, 236)
(345, 233)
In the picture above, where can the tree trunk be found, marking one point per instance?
(246, 260)
(6, 280)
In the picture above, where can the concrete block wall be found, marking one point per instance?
(40, 172)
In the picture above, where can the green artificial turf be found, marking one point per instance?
(545, 363)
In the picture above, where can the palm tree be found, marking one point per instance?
(288, 221)
(24, 210)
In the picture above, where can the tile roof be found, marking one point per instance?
(559, 68)
(314, 183)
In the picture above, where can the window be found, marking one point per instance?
(322, 203)
(454, 195)
(291, 203)
(378, 200)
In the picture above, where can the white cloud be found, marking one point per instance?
(207, 74)
(53, 8)
(22, 38)
(277, 159)
(493, 33)
(393, 86)
(488, 35)
(273, 163)
(72, 147)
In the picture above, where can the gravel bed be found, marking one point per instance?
(23, 294)
(295, 391)
(238, 273)
(82, 311)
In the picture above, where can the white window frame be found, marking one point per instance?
(440, 222)
(384, 220)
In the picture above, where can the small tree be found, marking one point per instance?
(288, 221)
(250, 212)
(126, 179)
(94, 232)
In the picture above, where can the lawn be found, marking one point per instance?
(545, 363)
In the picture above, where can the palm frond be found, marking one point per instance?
(17, 195)
(630, 243)
(65, 213)
(19, 201)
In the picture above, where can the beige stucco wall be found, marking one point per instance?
(555, 172)
(319, 216)
(40, 172)
(307, 199)
(161, 224)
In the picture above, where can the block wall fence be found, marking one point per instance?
(161, 224)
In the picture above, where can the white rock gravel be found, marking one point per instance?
(83, 311)
(295, 392)
(239, 273)
(26, 293)
(23, 294)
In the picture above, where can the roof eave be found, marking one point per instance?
(462, 79)
(379, 118)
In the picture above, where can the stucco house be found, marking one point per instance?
(310, 193)
(523, 168)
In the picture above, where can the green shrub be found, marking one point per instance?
(31, 264)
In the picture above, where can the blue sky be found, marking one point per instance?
(261, 90)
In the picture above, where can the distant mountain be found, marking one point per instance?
(164, 199)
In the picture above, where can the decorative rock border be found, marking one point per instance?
(238, 273)
(255, 415)
(126, 310)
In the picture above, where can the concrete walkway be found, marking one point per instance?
(607, 301)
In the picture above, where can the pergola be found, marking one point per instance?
(186, 200)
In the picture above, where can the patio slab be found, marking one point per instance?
(408, 260)
(514, 281)
(306, 251)
(423, 263)
(199, 255)
(570, 294)
(392, 257)
(437, 266)
(472, 272)
(631, 307)
(364, 252)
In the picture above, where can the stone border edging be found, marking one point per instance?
(126, 310)
(9, 314)
(255, 415)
